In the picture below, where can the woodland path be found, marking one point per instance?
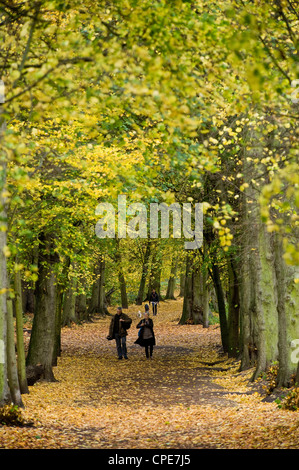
(188, 396)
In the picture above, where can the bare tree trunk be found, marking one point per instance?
(69, 304)
(182, 285)
(205, 299)
(194, 298)
(233, 309)
(102, 305)
(12, 369)
(94, 299)
(121, 277)
(171, 281)
(284, 373)
(221, 306)
(187, 304)
(58, 324)
(123, 290)
(21, 360)
(5, 396)
(42, 340)
(140, 295)
(81, 307)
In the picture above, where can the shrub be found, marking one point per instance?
(11, 415)
(291, 401)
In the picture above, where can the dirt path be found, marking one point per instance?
(188, 396)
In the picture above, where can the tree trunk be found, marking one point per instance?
(288, 314)
(194, 299)
(258, 286)
(121, 277)
(205, 299)
(102, 305)
(186, 316)
(21, 359)
(5, 396)
(283, 371)
(12, 369)
(197, 288)
(221, 306)
(42, 340)
(28, 298)
(171, 280)
(81, 307)
(140, 295)
(233, 308)
(69, 304)
(94, 299)
(182, 285)
(58, 324)
(123, 290)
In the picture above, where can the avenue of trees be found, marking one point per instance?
(164, 102)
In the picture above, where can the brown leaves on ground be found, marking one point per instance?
(187, 396)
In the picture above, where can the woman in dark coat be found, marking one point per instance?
(146, 337)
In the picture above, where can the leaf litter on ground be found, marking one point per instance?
(188, 396)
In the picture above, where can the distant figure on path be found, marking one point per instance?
(146, 310)
(119, 325)
(146, 336)
(154, 299)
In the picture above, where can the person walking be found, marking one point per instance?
(154, 299)
(146, 337)
(146, 310)
(119, 325)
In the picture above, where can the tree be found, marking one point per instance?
(153, 100)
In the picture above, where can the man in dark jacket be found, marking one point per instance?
(119, 325)
(154, 299)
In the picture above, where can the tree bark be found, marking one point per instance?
(102, 305)
(123, 289)
(58, 324)
(172, 280)
(121, 277)
(182, 285)
(21, 359)
(233, 308)
(221, 306)
(69, 304)
(12, 369)
(5, 396)
(195, 301)
(42, 340)
(205, 299)
(81, 307)
(94, 299)
(187, 303)
(139, 298)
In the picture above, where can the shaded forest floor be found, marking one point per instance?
(187, 396)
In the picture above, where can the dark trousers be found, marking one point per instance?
(154, 306)
(121, 345)
(150, 347)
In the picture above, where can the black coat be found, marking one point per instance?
(140, 339)
(124, 326)
(154, 297)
